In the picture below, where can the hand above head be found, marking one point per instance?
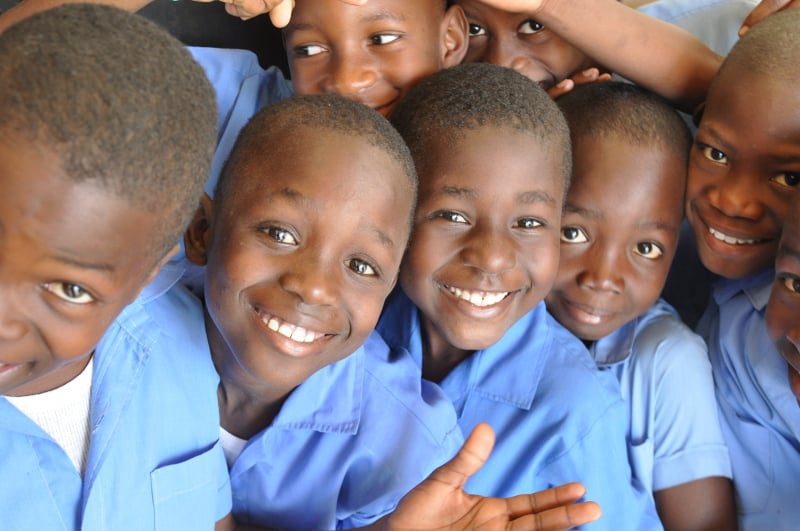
(440, 502)
(584, 77)
(280, 11)
(764, 9)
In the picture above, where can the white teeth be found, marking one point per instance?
(478, 298)
(293, 332)
(729, 239)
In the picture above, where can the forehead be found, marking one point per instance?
(493, 159)
(78, 222)
(318, 166)
(319, 14)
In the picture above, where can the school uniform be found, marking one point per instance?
(242, 87)
(760, 416)
(154, 459)
(715, 22)
(662, 366)
(347, 444)
(556, 416)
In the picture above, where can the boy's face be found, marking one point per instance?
(744, 170)
(518, 41)
(783, 308)
(73, 257)
(485, 245)
(302, 256)
(373, 53)
(618, 235)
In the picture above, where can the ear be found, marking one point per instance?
(455, 36)
(198, 235)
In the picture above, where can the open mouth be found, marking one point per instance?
(731, 240)
(294, 332)
(481, 299)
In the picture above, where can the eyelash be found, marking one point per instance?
(62, 291)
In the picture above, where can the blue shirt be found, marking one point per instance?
(347, 444)
(759, 414)
(665, 376)
(154, 458)
(556, 416)
(715, 22)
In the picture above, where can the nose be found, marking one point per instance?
(351, 72)
(603, 271)
(506, 50)
(13, 324)
(313, 281)
(737, 195)
(489, 250)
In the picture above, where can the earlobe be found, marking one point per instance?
(199, 232)
(455, 36)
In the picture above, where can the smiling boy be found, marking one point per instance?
(492, 152)
(630, 148)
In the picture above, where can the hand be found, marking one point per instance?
(280, 11)
(516, 6)
(590, 75)
(440, 503)
(764, 9)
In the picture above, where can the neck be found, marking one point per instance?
(438, 356)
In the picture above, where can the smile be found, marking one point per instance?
(721, 236)
(294, 332)
(482, 299)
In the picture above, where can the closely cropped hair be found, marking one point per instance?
(273, 127)
(771, 47)
(474, 95)
(118, 100)
(622, 110)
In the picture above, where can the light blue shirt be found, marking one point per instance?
(242, 88)
(154, 459)
(715, 22)
(759, 414)
(556, 416)
(665, 376)
(347, 444)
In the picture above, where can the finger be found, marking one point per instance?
(545, 499)
(281, 14)
(355, 2)
(559, 519)
(564, 86)
(469, 459)
(760, 12)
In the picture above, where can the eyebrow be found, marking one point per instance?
(536, 196)
(74, 262)
(657, 225)
(717, 139)
(789, 252)
(585, 212)
(373, 17)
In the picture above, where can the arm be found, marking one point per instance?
(440, 501)
(650, 52)
(280, 11)
(764, 9)
(705, 504)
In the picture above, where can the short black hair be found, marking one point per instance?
(120, 102)
(474, 95)
(626, 111)
(770, 48)
(273, 126)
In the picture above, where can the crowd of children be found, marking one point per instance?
(334, 334)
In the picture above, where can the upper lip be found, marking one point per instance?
(599, 310)
(478, 297)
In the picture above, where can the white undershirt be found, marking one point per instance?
(64, 414)
(231, 445)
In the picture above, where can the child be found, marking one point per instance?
(297, 273)
(109, 416)
(781, 317)
(619, 233)
(493, 157)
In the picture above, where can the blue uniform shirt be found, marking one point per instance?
(556, 416)
(759, 414)
(665, 376)
(154, 458)
(347, 444)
